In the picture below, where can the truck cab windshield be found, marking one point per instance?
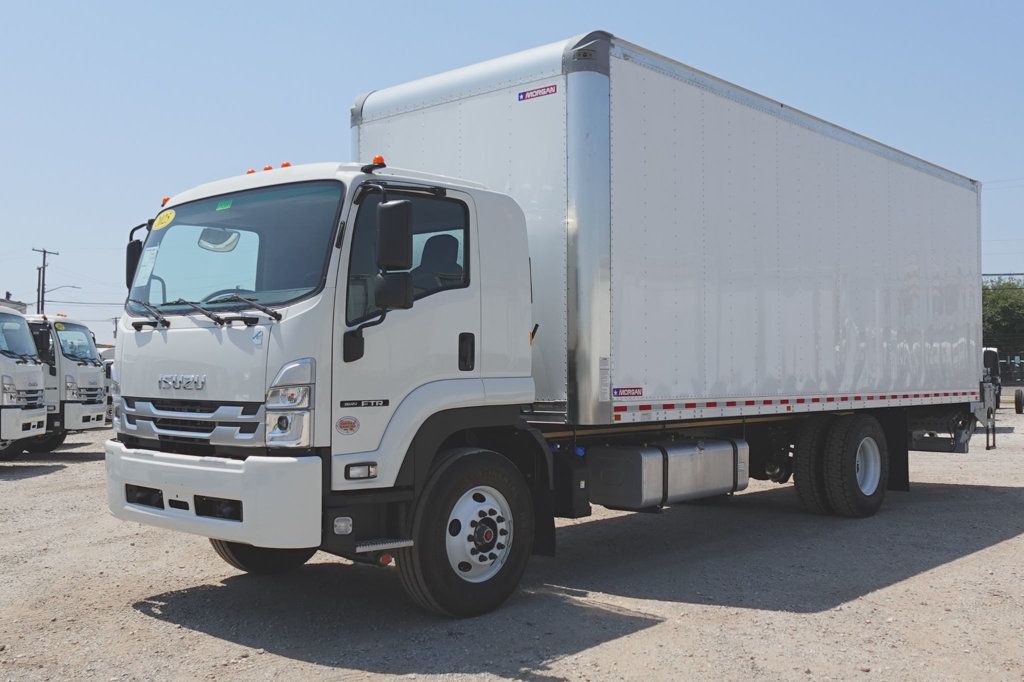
(15, 337)
(271, 245)
(76, 342)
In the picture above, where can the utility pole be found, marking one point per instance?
(41, 290)
(115, 320)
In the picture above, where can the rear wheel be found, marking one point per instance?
(48, 442)
(261, 560)
(472, 533)
(856, 466)
(809, 464)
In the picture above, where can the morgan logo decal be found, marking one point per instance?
(635, 392)
(537, 92)
(186, 382)
(346, 426)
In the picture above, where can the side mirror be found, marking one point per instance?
(132, 253)
(394, 235)
(394, 291)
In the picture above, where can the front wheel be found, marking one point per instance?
(48, 442)
(261, 560)
(10, 448)
(472, 532)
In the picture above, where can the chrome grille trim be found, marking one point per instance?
(207, 422)
(31, 398)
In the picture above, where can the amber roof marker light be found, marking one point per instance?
(378, 162)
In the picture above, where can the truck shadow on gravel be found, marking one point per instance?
(757, 550)
(20, 472)
(71, 453)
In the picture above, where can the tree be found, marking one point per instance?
(1002, 306)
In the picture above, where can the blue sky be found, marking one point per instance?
(107, 107)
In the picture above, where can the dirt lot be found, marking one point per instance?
(749, 587)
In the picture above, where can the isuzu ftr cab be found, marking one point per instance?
(653, 286)
(73, 373)
(22, 410)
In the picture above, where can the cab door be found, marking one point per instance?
(429, 349)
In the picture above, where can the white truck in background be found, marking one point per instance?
(22, 409)
(73, 374)
(652, 286)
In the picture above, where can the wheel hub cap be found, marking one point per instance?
(478, 538)
(868, 466)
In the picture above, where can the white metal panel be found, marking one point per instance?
(458, 84)
(755, 255)
(512, 146)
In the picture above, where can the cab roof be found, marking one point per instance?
(345, 172)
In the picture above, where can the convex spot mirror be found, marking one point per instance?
(394, 236)
(394, 291)
(219, 239)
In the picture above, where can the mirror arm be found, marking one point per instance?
(148, 225)
(368, 187)
(353, 345)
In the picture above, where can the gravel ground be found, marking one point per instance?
(749, 587)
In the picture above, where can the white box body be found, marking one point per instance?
(698, 250)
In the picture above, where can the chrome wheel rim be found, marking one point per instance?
(478, 536)
(868, 466)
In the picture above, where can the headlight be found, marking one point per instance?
(70, 387)
(9, 394)
(288, 428)
(288, 397)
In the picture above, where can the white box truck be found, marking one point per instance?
(74, 378)
(22, 410)
(652, 286)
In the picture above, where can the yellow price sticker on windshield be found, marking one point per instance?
(164, 219)
(58, 326)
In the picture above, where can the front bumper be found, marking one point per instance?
(81, 416)
(19, 422)
(280, 496)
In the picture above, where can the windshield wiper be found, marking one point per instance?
(158, 319)
(252, 303)
(195, 306)
(11, 354)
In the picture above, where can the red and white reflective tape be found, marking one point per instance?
(791, 404)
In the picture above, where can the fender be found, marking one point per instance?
(499, 428)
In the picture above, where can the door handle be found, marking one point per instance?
(467, 352)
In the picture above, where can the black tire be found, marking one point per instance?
(1018, 401)
(261, 560)
(48, 442)
(425, 570)
(809, 464)
(840, 465)
(10, 448)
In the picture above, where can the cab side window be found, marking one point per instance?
(440, 244)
